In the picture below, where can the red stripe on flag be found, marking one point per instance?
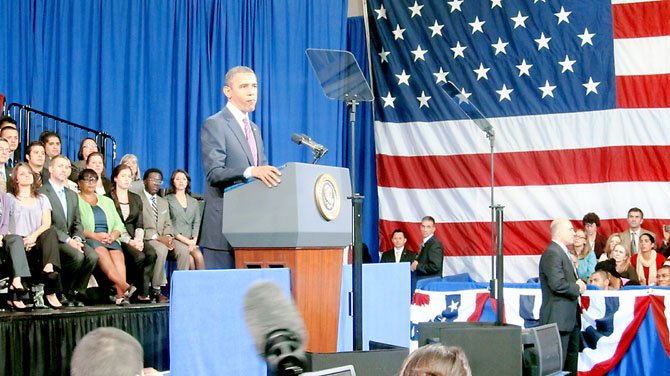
(474, 238)
(658, 309)
(607, 164)
(638, 20)
(649, 91)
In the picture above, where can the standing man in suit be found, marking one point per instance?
(399, 253)
(631, 238)
(5, 170)
(232, 152)
(429, 262)
(560, 291)
(78, 259)
(158, 231)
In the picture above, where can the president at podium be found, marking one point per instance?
(231, 149)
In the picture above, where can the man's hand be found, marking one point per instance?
(267, 174)
(76, 244)
(137, 244)
(582, 286)
(414, 265)
(167, 240)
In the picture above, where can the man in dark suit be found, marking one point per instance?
(5, 170)
(9, 133)
(232, 151)
(78, 259)
(560, 291)
(398, 253)
(429, 262)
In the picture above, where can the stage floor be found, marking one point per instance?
(41, 342)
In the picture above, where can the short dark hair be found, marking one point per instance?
(46, 135)
(33, 145)
(428, 218)
(591, 217)
(149, 171)
(398, 231)
(651, 237)
(635, 209)
(87, 172)
(107, 352)
(8, 127)
(7, 119)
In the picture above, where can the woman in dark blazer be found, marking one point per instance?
(140, 256)
(186, 215)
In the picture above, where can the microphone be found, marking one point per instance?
(276, 327)
(303, 139)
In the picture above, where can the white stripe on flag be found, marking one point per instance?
(642, 56)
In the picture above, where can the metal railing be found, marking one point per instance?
(31, 123)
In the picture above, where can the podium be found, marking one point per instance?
(303, 224)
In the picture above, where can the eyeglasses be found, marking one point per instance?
(157, 181)
(89, 180)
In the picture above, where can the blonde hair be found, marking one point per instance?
(436, 360)
(608, 249)
(624, 266)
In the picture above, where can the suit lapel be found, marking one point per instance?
(53, 197)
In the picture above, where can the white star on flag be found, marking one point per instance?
(440, 76)
(436, 28)
(562, 16)
(381, 12)
(458, 50)
(500, 46)
(403, 78)
(463, 96)
(519, 20)
(388, 100)
(477, 25)
(383, 56)
(453, 306)
(542, 42)
(419, 53)
(591, 86)
(496, 3)
(423, 100)
(524, 68)
(397, 33)
(481, 72)
(547, 89)
(567, 64)
(586, 37)
(416, 9)
(455, 5)
(504, 93)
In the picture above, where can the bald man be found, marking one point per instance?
(560, 291)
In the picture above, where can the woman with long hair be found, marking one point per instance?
(96, 162)
(137, 184)
(185, 214)
(612, 241)
(102, 229)
(30, 218)
(86, 147)
(621, 257)
(140, 256)
(585, 257)
(647, 261)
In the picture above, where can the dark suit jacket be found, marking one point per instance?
(430, 259)
(135, 215)
(560, 293)
(598, 245)
(65, 228)
(225, 155)
(405, 256)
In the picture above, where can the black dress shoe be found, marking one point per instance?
(67, 302)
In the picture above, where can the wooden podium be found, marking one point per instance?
(303, 224)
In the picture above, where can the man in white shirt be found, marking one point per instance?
(630, 238)
(399, 253)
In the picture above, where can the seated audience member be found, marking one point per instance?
(5, 170)
(185, 215)
(102, 229)
(615, 280)
(140, 257)
(36, 156)
(86, 147)
(663, 276)
(436, 360)
(7, 121)
(108, 352)
(595, 241)
(600, 279)
(78, 259)
(622, 260)
(630, 238)
(12, 136)
(158, 231)
(647, 261)
(12, 246)
(585, 259)
(399, 253)
(31, 220)
(666, 262)
(664, 249)
(52, 144)
(137, 185)
(612, 241)
(96, 162)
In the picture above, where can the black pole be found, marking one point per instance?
(500, 275)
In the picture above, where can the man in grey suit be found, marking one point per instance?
(630, 238)
(78, 259)
(158, 231)
(561, 290)
(232, 152)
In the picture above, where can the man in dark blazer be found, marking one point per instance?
(398, 253)
(429, 262)
(560, 291)
(232, 152)
(6, 170)
(78, 259)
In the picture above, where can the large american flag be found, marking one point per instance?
(578, 94)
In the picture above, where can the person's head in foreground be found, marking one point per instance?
(663, 276)
(107, 352)
(436, 360)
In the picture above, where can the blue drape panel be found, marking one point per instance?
(149, 73)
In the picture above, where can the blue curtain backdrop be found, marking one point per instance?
(149, 72)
